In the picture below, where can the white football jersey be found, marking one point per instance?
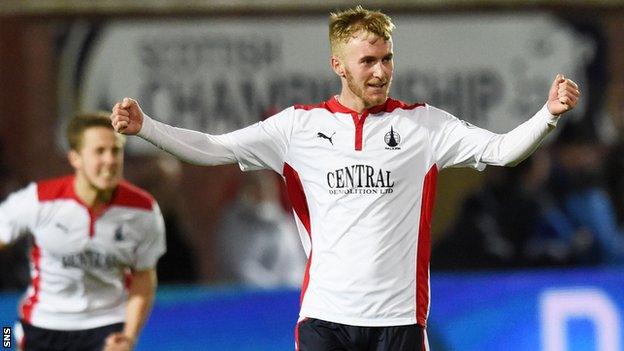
(79, 262)
(362, 189)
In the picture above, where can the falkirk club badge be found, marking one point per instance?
(392, 139)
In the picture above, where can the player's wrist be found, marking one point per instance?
(130, 338)
(547, 116)
(146, 127)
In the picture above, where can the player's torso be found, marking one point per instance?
(382, 164)
(364, 198)
(80, 258)
(328, 142)
(73, 239)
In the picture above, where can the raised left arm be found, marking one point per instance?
(511, 148)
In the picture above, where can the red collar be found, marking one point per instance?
(335, 106)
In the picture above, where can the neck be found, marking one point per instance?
(90, 195)
(352, 102)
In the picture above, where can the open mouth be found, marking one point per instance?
(108, 174)
(377, 85)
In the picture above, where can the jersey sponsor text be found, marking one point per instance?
(360, 179)
(90, 259)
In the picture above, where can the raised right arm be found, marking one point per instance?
(188, 145)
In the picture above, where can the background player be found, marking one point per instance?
(362, 198)
(96, 241)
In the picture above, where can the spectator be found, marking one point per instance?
(258, 242)
(496, 223)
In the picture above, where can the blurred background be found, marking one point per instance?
(524, 258)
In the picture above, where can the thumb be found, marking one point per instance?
(554, 88)
(132, 106)
(128, 103)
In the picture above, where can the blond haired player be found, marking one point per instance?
(360, 169)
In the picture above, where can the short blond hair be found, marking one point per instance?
(344, 24)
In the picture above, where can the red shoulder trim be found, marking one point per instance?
(333, 106)
(392, 104)
(57, 188)
(311, 107)
(129, 195)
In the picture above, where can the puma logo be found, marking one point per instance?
(62, 227)
(321, 135)
(118, 234)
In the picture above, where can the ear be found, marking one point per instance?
(74, 159)
(337, 66)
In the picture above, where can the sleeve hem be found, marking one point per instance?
(547, 116)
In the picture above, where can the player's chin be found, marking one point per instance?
(377, 99)
(106, 184)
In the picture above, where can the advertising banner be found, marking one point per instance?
(219, 74)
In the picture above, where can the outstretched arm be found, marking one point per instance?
(187, 145)
(138, 307)
(511, 148)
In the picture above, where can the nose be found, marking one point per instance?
(378, 70)
(110, 157)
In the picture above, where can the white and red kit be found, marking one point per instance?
(362, 187)
(80, 262)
